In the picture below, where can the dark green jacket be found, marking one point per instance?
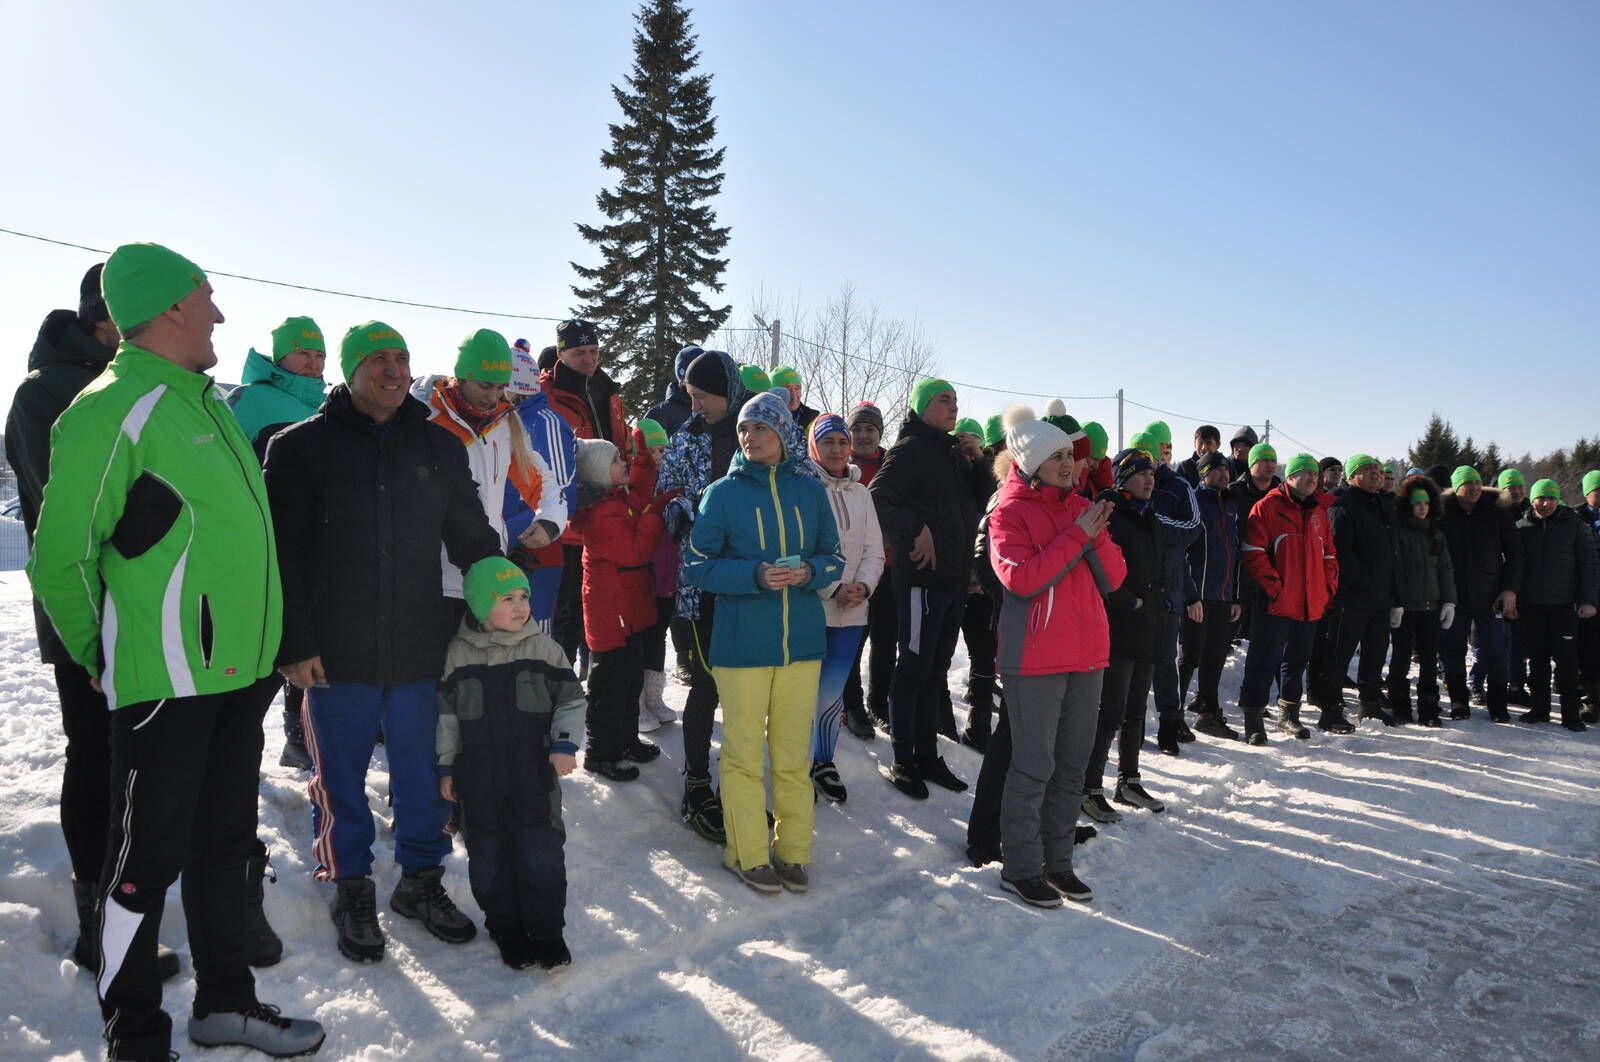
(65, 360)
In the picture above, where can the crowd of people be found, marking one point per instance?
(484, 570)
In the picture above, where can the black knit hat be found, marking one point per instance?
(547, 359)
(91, 304)
(866, 412)
(1330, 462)
(576, 333)
(1214, 459)
(708, 373)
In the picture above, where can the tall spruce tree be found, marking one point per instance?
(661, 244)
(1439, 445)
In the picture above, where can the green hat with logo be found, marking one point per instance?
(488, 581)
(362, 340)
(1591, 481)
(969, 426)
(785, 375)
(1300, 463)
(1098, 439)
(994, 431)
(1356, 463)
(1262, 452)
(1464, 474)
(927, 389)
(654, 434)
(295, 334)
(1546, 488)
(1418, 496)
(484, 356)
(141, 281)
(755, 379)
(1147, 442)
(1510, 477)
(1161, 430)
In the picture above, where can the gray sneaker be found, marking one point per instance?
(791, 876)
(761, 879)
(260, 1027)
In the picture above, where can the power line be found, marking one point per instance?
(1312, 449)
(1183, 416)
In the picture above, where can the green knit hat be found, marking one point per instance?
(1546, 488)
(1464, 474)
(1418, 496)
(296, 333)
(1148, 443)
(928, 388)
(1356, 463)
(784, 375)
(1161, 430)
(488, 581)
(1510, 477)
(484, 356)
(1591, 481)
(969, 425)
(1299, 463)
(754, 378)
(1098, 439)
(362, 340)
(144, 280)
(1262, 452)
(994, 431)
(654, 434)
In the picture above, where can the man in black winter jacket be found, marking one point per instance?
(1365, 529)
(1259, 478)
(363, 495)
(1207, 440)
(1239, 447)
(1560, 588)
(926, 495)
(1487, 558)
(72, 349)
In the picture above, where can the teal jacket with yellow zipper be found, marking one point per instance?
(754, 515)
(154, 556)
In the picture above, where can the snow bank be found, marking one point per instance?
(1404, 894)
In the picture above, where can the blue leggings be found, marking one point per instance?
(836, 666)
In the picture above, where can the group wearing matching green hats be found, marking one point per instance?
(1160, 430)
(484, 356)
(1297, 464)
(927, 389)
(654, 434)
(968, 426)
(785, 376)
(294, 335)
(1545, 488)
(361, 340)
(1356, 463)
(1147, 442)
(141, 281)
(755, 379)
(1510, 477)
(489, 580)
(994, 431)
(1098, 439)
(1464, 474)
(1262, 452)
(1591, 481)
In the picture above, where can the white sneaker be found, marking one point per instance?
(651, 701)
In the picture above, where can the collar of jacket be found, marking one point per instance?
(758, 472)
(1123, 500)
(258, 368)
(1016, 483)
(1308, 502)
(136, 360)
(852, 474)
(917, 428)
(342, 408)
(457, 417)
(474, 635)
(62, 340)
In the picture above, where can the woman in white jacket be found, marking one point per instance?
(845, 602)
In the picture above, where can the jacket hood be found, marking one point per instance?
(1402, 501)
(307, 390)
(1244, 434)
(62, 340)
(738, 394)
(475, 636)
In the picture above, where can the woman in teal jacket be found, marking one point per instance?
(285, 390)
(765, 542)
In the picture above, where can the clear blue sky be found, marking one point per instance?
(1340, 216)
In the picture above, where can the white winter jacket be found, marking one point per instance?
(860, 541)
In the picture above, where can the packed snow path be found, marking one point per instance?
(1395, 894)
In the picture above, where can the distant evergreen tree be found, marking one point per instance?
(1467, 455)
(1491, 462)
(661, 245)
(1439, 445)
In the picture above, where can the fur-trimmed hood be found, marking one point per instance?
(1435, 501)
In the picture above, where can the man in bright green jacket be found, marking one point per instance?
(154, 559)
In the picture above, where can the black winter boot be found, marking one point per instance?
(355, 919)
(701, 808)
(294, 734)
(1255, 727)
(856, 721)
(1289, 721)
(261, 946)
(1377, 710)
(1591, 693)
(1167, 738)
(422, 896)
(1333, 720)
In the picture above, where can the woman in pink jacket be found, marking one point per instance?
(1050, 551)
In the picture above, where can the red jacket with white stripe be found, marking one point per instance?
(1052, 616)
(620, 535)
(1288, 550)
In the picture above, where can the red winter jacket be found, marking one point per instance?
(620, 535)
(1052, 616)
(559, 385)
(1288, 550)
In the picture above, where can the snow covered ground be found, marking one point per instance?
(1402, 894)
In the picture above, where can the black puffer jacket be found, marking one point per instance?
(1136, 608)
(1561, 565)
(1364, 538)
(1425, 578)
(1484, 550)
(926, 481)
(360, 512)
(65, 360)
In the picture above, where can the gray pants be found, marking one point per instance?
(1053, 720)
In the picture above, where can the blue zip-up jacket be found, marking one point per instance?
(1214, 556)
(552, 440)
(1179, 515)
(755, 514)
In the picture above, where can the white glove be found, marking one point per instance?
(1396, 616)
(1447, 616)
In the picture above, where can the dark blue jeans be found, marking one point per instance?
(1279, 647)
(1491, 632)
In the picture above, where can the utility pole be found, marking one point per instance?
(1267, 437)
(777, 338)
(1120, 443)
